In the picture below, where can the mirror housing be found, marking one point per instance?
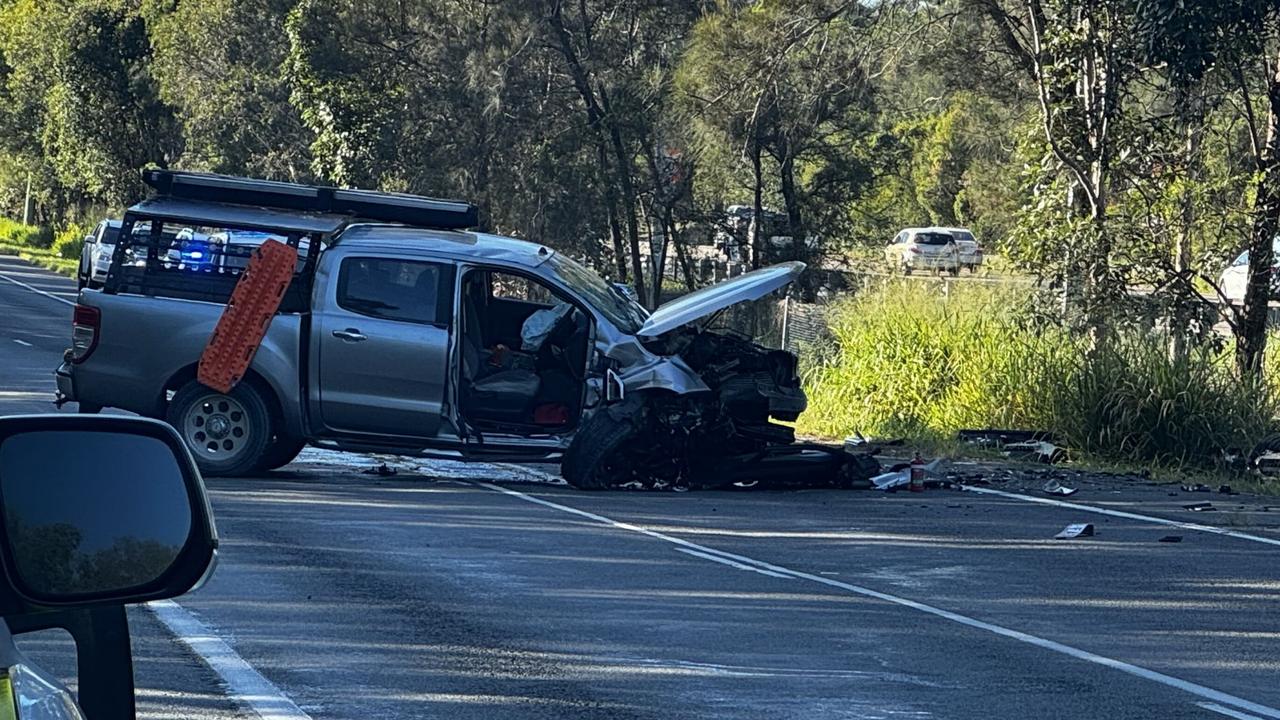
(98, 510)
(627, 290)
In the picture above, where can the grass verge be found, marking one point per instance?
(47, 259)
(910, 360)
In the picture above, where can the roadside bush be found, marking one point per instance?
(69, 242)
(914, 362)
(16, 233)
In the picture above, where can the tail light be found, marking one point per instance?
(85, 324)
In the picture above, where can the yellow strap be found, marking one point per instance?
(8, 704)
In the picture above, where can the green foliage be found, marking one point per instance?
(16, 233)
(68, 243)
(913, 361)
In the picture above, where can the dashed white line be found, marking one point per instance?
(245, 685)
(36, 290)
(1227, 711)
(23, 343)
(1196, 527)
(1202, 691)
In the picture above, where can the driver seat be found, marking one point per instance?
(491, 393)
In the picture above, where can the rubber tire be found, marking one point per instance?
(282, 450)
(256, 412)
(599, 436)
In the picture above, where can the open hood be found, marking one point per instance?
(709, 300)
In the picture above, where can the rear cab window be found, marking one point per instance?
(401, 290)
(937, 238)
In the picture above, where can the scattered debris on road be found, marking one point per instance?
(900, 475)
(1053, 487)
(383, 470)
(1075, 530)
(1029, 445)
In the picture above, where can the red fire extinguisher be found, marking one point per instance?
(917, 474)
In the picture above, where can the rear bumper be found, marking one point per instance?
(65, 377)
(924, 262)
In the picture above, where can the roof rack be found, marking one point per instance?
(362, 204)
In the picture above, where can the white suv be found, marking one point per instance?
(967, 247)
(929, 248)
(1235, 279)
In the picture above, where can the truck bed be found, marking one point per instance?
(148, 346)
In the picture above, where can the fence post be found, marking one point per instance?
(786, 318)
(26, 202)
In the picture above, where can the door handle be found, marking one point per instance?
(350, 335)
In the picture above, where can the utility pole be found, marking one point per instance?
(26, 202)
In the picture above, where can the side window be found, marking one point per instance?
(902, 237)
(518, 287)
(403, 290)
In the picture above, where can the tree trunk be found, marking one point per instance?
(795, 223)
(608, 134)
(682, 255)
(1251, 342)
(757, 206)
(1192, 122)
(611, 207)
(624, 163)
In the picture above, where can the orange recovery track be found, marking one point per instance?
(244, 322)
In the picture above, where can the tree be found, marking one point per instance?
(80, 70)
(1193, 40)
(783, 80)
(220, 65)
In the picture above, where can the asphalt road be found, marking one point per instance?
(437, 593)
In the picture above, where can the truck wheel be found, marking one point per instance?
(611, 449)
(282, 450)
(227, 434)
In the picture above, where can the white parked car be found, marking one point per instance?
(928, 248)
(1236, 277)
(95, 256)
(969, 251)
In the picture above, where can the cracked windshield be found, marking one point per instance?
(639, 359)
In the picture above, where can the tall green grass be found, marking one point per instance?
(912, 361)
(16, 233)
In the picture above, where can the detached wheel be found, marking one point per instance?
(280, 452)
(228, 434)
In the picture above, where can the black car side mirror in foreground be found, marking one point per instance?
(97, 512)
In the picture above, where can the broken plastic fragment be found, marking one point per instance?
(901, 477)
(1053, 487)
(1075, 530)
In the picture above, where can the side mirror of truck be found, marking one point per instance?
(626, 290)
(98, 510)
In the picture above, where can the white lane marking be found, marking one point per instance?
(1202, 691)
(1128, 515)
(244, 684)
(1227, 711)
(732, 563)
(36, 290)
(23, 343)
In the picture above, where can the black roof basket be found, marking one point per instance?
(363, 204)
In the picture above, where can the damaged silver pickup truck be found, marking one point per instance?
(404, 332)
